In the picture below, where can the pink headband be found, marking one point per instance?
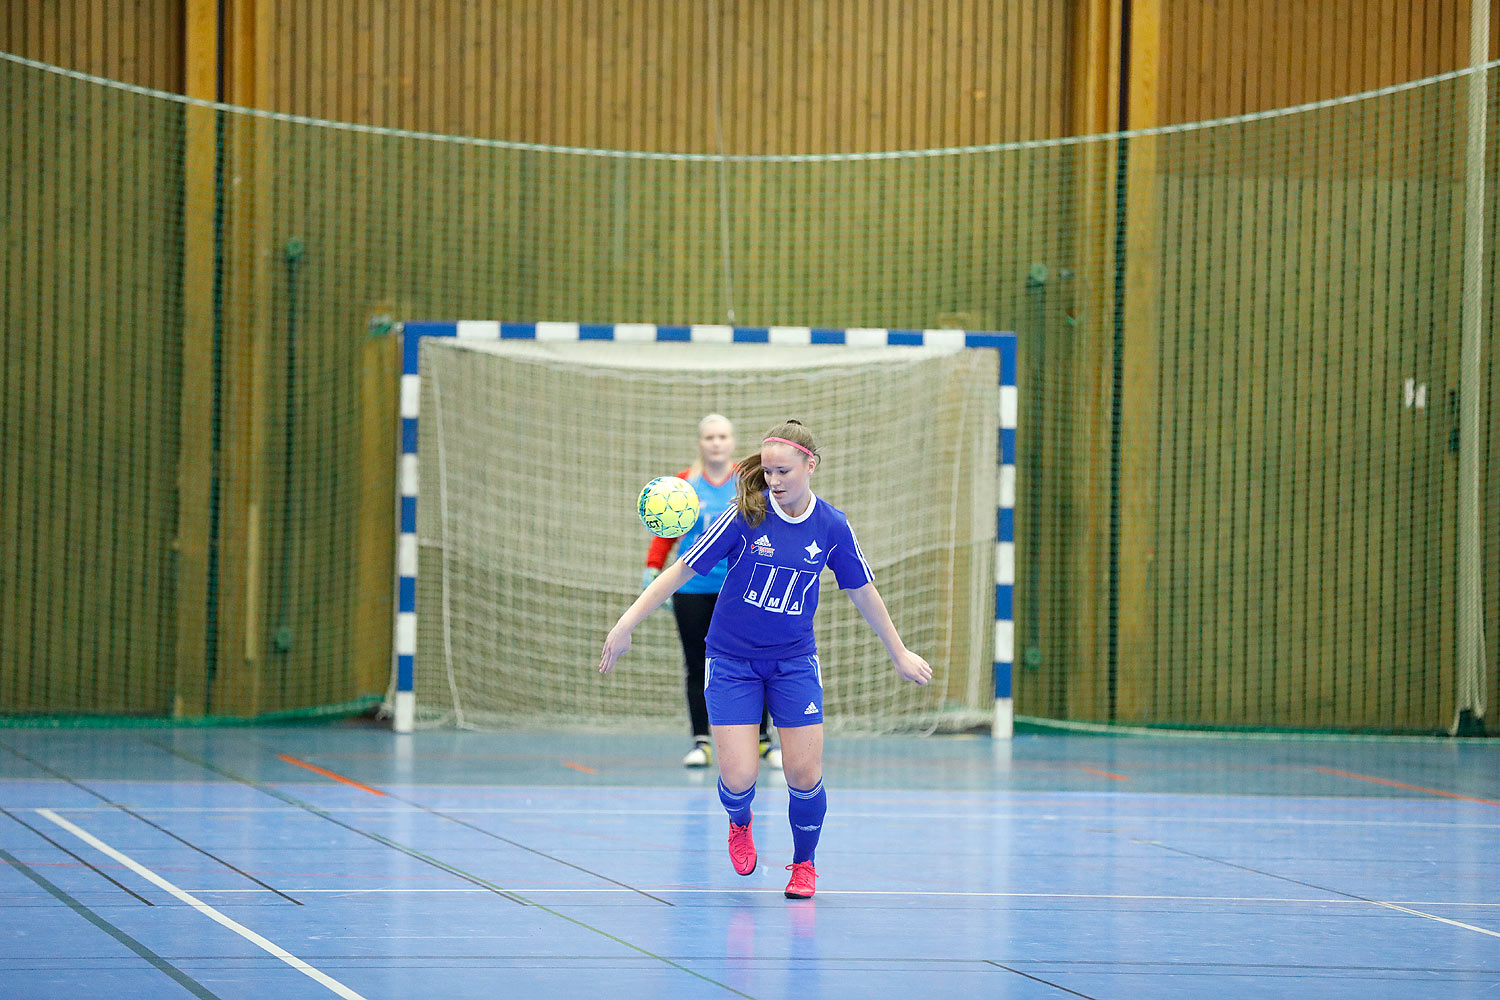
(792, 443)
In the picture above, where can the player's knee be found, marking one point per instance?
(738, 779)
(801, 774)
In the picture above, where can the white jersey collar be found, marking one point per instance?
(812, 501)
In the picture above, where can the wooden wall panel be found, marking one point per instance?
(1307, 537)
(774, 76)
(136, 41)
(91, 360)
(1233, 57)
(410, 228)
(1490, 441)
(1305, 522)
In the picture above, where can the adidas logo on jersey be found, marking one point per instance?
(762, 540)
(811, 709)
(762, 547)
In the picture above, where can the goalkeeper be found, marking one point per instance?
(713, 477)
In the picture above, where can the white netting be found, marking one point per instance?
(532, 455)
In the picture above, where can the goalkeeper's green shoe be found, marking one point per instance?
(701, 755)
(770, 754)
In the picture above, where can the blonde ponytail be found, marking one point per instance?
(750, 489)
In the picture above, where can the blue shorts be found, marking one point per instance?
(737, 690)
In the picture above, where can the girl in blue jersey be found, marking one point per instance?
(712, 477)
(778, 538)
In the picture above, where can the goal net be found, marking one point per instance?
(531, 458)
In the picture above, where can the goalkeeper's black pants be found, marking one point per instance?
(693, 613)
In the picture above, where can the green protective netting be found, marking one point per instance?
(1241, 454)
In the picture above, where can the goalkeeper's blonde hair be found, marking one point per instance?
(697, 467)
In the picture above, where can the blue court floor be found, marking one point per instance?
(341, 860)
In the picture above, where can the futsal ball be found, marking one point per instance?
(668, 506)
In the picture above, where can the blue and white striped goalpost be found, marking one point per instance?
(404, 706)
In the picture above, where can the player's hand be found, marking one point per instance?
(912, 667)
(616, 645)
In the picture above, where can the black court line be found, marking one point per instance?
(532, 850)
(87, 864)
(1038, 979)
(1097, 964)
(137, 816)
(292, 800)
(1257, 871)
(441, 865)
(1323, 888)
(504, 840)
(194, 987)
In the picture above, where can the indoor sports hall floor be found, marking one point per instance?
(340, 860)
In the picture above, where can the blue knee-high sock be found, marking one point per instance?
(737, 805)
(806, 811)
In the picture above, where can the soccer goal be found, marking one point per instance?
(530, 442)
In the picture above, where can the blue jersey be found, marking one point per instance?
(713, 500)
(765, 609)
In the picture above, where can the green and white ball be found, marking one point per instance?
(668, 506)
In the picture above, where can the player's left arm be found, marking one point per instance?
(909, 665)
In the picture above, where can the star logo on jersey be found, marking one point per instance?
(812, 552)
(762, 547)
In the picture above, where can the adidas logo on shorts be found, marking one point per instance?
(811, 709)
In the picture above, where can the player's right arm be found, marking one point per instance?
(617, 643)
(656, 558)
(715, 543)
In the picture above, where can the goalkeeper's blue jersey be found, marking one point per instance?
(766, 605)
(713, 500)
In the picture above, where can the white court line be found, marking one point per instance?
(1432, 916)
(202, 907)
(535, 890)
(533, 811)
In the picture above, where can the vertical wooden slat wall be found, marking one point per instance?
(134, 41)
(792, 76)
(439, 229)
(1490, 441)
(1305, 548)
(197, 458)
(410, 228)
(1224, 59)
(91, 360)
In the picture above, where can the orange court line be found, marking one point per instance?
(1409, 788)
(1112, 776)
(579, 767)
(329, 774)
